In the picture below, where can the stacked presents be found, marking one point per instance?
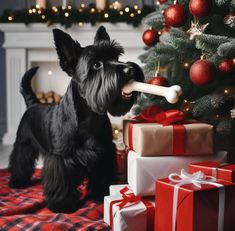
(175, 181)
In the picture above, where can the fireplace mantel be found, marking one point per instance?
(38, 35)
(27, 44)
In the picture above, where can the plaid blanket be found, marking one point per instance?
(25, 210)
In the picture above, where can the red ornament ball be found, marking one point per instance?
(158, 80)
(202, 72)
(175, 15)
(150, 37)
(200, 8)
(226, 65)
(161, 1)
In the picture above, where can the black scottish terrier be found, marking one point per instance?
(75, 136)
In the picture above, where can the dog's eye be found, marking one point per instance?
(97, 65)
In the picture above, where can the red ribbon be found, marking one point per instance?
(131, 198)
(155, 114)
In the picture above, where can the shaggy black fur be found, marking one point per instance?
(74, 136)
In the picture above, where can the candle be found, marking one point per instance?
(41, 3)
(64, 3)
(100, 4)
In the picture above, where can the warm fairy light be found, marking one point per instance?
(54, 8)
(121, 12)
(217, 116)
(226, 91)
(117, 5)
(34, 10)
(116, 131)
(186, 107)
(43, 16)
(63, 7)
(30, 11)
(66, 14)
(10, 18)
(106, 15)
(92, 10)
(186, 65)
(234, 60)
(157, 3)
(132, 15)
(136, 7)
(127, 9)
(83, 5)
(159, 32)
(163, 11)
(80, 24)
(37, 6)
(49, 72)
(69, 7)
(139, 11)
(39, 11)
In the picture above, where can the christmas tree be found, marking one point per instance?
(192, 44)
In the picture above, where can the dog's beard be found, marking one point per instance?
(102, 91)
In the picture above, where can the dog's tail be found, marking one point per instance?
(26, 89)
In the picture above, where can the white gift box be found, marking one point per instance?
(115, 189)
(144, 171)
(132, 217)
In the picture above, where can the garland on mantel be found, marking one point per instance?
(69, 16)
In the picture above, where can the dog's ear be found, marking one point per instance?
(68, 51)
(101, 36)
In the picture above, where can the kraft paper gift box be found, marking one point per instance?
(144, 171)
(138, 214)
(153, 139)
(199, 204)
(220, 171)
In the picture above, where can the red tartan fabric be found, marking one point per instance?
(25, 210)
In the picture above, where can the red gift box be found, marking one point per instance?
(215, 169)
(193, 203)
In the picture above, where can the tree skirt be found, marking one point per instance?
(25, 209)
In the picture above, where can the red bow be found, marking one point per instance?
(156, 114)
(129, 197)
(126, 198)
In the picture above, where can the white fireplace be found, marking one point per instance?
(33, 45)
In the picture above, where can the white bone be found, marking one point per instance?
(170, 93)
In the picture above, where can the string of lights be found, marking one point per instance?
(67, 16)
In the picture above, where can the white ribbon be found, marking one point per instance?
(214, 172)
(197, 179)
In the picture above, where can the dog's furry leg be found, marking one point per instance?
(103, 174)
(21, 164)
(61, 175)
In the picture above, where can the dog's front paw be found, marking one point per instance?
(70, 204)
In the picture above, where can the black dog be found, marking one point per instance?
(75, 136)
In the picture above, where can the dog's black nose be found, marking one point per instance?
(129, 70)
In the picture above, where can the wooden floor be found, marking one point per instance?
(5, 152)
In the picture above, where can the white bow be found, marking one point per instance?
(197, 179)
